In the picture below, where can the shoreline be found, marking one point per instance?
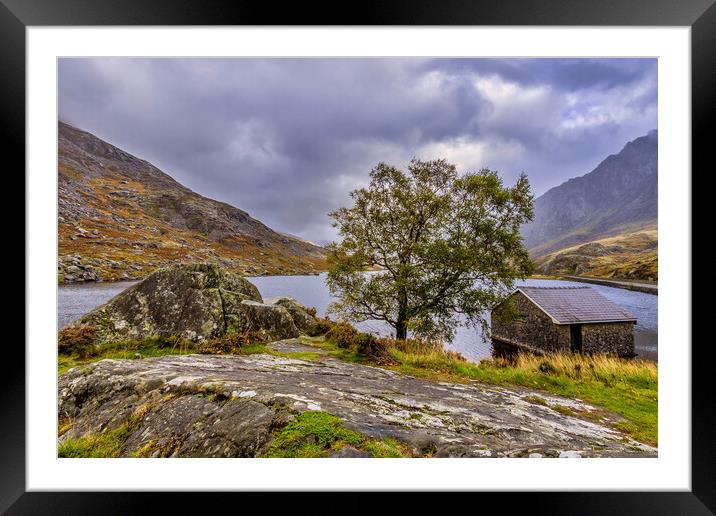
(646, 288)
(110, 282)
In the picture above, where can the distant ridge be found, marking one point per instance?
(620, 193)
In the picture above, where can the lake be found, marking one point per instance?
(77, 299)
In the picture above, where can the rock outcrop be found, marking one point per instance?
(72, 269)
(195, 302)
(300, 315)
(231, 406)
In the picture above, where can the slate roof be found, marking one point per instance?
(574, 305)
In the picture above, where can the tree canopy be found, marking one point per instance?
(438, 246)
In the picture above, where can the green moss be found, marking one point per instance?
(146, 450)
(387, 448)
(564, 410)
(345, 354)
(312, 434)
(535, 400)
(103, 444)
(317, 434)
(64, 426)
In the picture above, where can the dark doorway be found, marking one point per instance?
(575, 337)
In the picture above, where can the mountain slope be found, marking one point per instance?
(120, 217)
(628, 256)
(619, 196)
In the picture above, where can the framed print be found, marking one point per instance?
(427, 242)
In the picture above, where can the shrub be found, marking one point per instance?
(369, 346)
(546, 367)
(78, 340)
(366, 344)
(151, 344)
(414, 346)
(319, 327)
(342, 335)
(230, 343)
(169, 341)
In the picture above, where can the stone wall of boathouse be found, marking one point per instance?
(615, 338)
(531, 329)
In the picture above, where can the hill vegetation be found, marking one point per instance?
(120, 217)
(628, 256)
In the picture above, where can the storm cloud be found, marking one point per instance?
(288, 139)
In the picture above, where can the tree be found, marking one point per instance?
(440, 245)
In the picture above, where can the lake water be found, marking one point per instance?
(77, 299)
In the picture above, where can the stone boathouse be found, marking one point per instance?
(554, 319)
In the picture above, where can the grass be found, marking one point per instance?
(387, 448)
(106, 444)
(345, 354)
(627, 388)
(298, 355)
(149, 347)
(99, 445)
(318, 434)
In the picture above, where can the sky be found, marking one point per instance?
(288, 139)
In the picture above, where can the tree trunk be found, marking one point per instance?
(401, 325)
(401, 329)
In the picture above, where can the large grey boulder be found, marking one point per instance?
(299, 313)
(272, 321)
(193, 301)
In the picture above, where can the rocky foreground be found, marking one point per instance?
(232, 406)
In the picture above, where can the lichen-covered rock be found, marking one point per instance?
(274, 322)
(231, 406)
(299, 313)
(190, 301)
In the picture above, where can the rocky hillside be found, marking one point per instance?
(617, 197)
(120, 217)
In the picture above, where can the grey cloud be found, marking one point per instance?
(287, 139)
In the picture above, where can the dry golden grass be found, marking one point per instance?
(574, 364)
(632, 255)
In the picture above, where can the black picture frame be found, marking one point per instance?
(700, 15)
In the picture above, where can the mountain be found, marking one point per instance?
(611, 211)
(619, 195)
(120, 217)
